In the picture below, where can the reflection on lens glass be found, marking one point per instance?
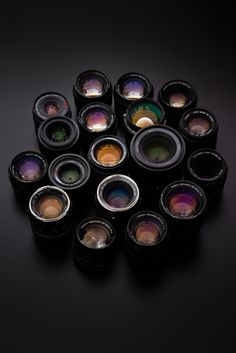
(147, 232)
(157, 150)
(133, 89)
(69, 173)
(118, 197)
(145, 114)
(49, 207)
(95, 236)
(177, 100)
(51, 108)
(198, 126)
(182, 203)
(92, 87)
(29, 169)
(97, 120)
(108, 154)
(58, 133)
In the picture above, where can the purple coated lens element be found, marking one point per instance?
(182, 203)
(133, 89)
(29, 169)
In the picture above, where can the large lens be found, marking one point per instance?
(97, 120)
(159, 150)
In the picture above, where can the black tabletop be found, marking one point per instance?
(47, 304)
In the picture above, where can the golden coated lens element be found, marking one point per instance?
(108, 154)
(50, 207)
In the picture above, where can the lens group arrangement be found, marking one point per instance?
(132, 168)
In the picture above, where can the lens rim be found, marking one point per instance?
(68, 123)
(53, 96)
(210, 152)
(138, 141)
(143, 215)
(120, 178)
(106, 140)
(187, 184)
(49, 189)
(20, 156)
(87, 73)
(96, 221)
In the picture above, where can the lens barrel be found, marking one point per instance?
(58, 135)
(207, 168)
(183, 205)
(48, 105)
(176, 97)
(94, 243)
(27, 172)
(199, 129)
(146, 237)
(140, 114)
(107, 155)
(50, 212)
(130, 87)
(92, 86)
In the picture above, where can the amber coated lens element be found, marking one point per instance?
(50, 207)
(95, 236)
(108, 154)
(147, 232)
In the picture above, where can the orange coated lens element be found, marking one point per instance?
(108, 154)
(50, 207)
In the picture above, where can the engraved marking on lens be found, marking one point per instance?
(108, 154)
(198, 126)
(29, 169)
(182, 203)
(133, 89)
(144, 115)
(95, 236)
(92, 87)
(49, 207)
(177, 100)
(157, 150)
(69, 173)
(118, 197)
(51, 108)
(147, 232)
(58, 133)
(97, 120)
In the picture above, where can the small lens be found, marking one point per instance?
(146, 114)
(92, 86)
(69, 173)
(97, 120)
(108, 154)
(29, 168)
(147, 232)
(133, 89)
(183, 202)
(51, 108)
(49, 207)
(198, 126)
(207, 165)
(157, 150)
(95, 236)
(58, 133)
(177, 100)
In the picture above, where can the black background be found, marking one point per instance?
(46, 304)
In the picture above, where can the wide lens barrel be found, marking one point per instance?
(130, 87)
(183, 205)
(207, 168)
(94, 242)
(176, 97)
(48, 105)
(92, 86)
(27, 172)
(58, 135)
(50, 212)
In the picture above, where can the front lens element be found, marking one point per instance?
(198, 126)
(58, 133)
(51, 108)
(92, 86)
(145, 114)
(183, 202)
(97, 120)
(49, 207)
(95, 236)
(69, 173)
(157, 150)
(147, 232)
(29, 168)
(118, 195)
(108, 154)
(133, 89)
(177, 100)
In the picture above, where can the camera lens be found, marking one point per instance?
(71, 173)
(130, 87)
(208, 169)
(199, 129)
(142, 113)
(50, 104)
(96, 120)
(91, 86)
(146, 237)
(117, 195)
(157, 153)
(107, 155)
(176, 97)
(94, 242)
(183, 204)
(58, 135)
(50, 211)
(27, 172)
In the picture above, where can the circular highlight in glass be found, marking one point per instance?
(69, 173)
(108, 154)
(198, 125)
(49, 207)
(146, 232)
(145, 114)
(133, 88)
(95, 236)
(183, 202)
(177, 100)
(29, 168)
(92, 86)
(97, 120)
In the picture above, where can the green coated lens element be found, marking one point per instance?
(156, 151)
(69, 174)
(145, 114)
(58, 134)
